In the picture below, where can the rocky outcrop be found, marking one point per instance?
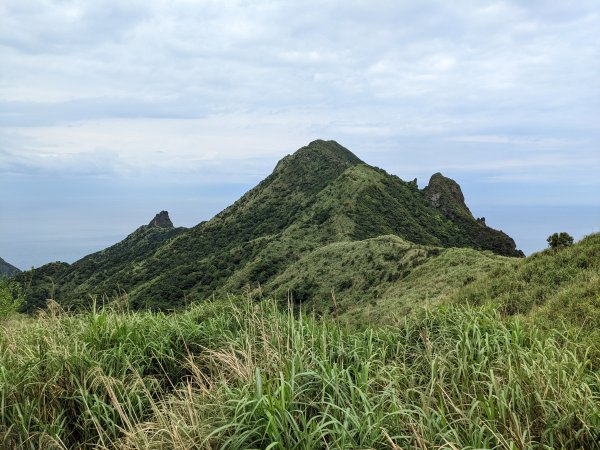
(446, 196)
(161, 220)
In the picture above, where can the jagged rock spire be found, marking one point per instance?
(446, 195)
(161, 220)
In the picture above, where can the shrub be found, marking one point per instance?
(11, 298)
(559, 240)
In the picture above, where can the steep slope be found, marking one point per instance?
(363, 203)
(7, 269)
(447, 197)
(106, 272)
(202, 260)
(41, 284)
(360, 203)
(377, 203)
(320, 195)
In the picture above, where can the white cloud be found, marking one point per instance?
(502, 95)
(230, 80)
(530, 141)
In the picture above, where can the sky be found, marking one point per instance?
(112, 111)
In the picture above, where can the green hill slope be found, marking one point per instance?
(320, 195)
(105, 272)
(381, 280)
(556, 285)
(338, 200)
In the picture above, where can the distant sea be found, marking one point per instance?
(529, 226)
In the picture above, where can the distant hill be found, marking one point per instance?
(107, 271)
(7, 269)
(318, 197)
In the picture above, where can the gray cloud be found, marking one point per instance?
(494, 93)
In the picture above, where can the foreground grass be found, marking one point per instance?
(240, 374)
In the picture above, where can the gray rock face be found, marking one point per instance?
(446, 195)
(161, 220)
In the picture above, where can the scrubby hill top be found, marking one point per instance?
(382, 280)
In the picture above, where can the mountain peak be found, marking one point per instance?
(319, 154)
(330, 150)
(446, 195)
(161, 220)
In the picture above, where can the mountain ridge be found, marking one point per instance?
(319, 195)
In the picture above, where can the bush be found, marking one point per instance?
(559, 240)
(11, 298)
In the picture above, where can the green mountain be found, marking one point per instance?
(506, 357)
(319, 197)
(7, 269)
(107, 271)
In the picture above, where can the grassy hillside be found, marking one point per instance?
(320, 195)
(382, 279)
(423, 347)
(556, 285)
(378, 279)
(350, 271)
(241, 374)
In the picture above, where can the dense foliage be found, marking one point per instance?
(558, 286)
(396, 345)
(241, 374)
(559, 240)
(11, 298)
(108, 272)
(377, 280)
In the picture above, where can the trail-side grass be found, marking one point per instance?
(245, 374)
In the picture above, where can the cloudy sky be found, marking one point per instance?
(111, 111)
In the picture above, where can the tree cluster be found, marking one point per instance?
(559, 240)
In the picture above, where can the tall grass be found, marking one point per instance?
(240, 374)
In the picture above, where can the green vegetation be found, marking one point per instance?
(376, 280)
(559, 240)
(11, 298)
(320, 195)
(406, 325)
(244, 374)
(558, 286)
(108, 272)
